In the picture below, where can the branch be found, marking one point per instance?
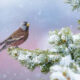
(32, 58)
(74, 3)
(62, 59)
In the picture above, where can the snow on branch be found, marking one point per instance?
(33, 58)
(62, 60)
(74, 3)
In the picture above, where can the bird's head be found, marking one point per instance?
(25, 26)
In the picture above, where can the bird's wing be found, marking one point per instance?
(11, 40)
(15, 39)
(18, 35)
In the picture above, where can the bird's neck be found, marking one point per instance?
(27, 28)
(24, 28)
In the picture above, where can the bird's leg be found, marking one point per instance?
(13, 46)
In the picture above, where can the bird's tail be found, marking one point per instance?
(4, 47)
(2, 43)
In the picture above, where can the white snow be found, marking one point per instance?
(65, 61)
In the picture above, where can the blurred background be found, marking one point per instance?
(43, 16)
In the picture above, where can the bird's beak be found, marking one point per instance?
(27, 24)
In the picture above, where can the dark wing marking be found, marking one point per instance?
(10, 40)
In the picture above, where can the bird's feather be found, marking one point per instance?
(11, 40)
(14, 37)
(1, 43)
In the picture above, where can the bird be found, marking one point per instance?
(16, 38)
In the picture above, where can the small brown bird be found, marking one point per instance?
(17, 38)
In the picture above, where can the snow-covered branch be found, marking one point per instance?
(74, 3)
(62, 60)
(32, 58)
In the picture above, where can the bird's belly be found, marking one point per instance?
(17, 43)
